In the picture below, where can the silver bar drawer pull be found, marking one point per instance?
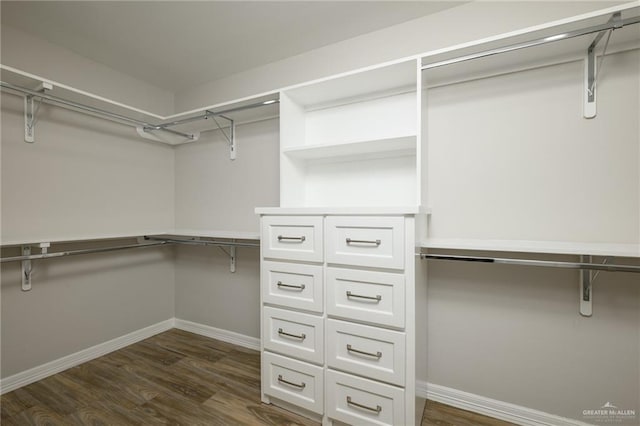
(377, 410)
(299, 239)
(359, 296)
(293, 287)
(376, 355)
(295, 336)
(295, 385)
(376, 242)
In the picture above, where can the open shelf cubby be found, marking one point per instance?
(351, 140)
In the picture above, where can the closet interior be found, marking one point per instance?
(519, 150)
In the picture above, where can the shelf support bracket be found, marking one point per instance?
(586, 288)
(231, 137)
(590, 69)
(31, 112)
(232, 257)
(27, 269)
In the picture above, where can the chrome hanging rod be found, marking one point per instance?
(93, 110)
(207, 114)
(77, 252)
(543, 263)
(204, 242)
(550, 39)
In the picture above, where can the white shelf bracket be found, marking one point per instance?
(591, 71)
(231, 137)
(27, 269)
(232, 257)
(31, 112)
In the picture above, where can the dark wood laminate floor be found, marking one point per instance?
(173, 378)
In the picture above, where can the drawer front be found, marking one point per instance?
(293, 381)
(365, 241)
(292, 238)
(375, 297)
(368, 351)
(293, 285)
(359, 401)
(293, 333)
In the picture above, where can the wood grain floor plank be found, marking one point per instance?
(248, 412)
(437, 414)
(173, 378)
(39, 416)
(15, 402)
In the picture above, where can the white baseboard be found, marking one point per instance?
(491, 407)
(219, 334)
(56, 366)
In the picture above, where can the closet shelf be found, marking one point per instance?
(172, 130)
(362, 211)
(402, 145)
(530, 49)
(525, 246)
(199, 233)
(183, 233)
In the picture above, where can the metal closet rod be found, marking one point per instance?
(77, 252)
(221, 113)
(611, 25)
(122, 118)
(528, 262)
(93, 110)
(204, 242)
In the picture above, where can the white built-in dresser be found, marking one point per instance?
(338, 255)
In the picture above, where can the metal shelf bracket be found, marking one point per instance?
(232, 257)
(231, 137)
(31, 112)
(585, 288)
(591, 71)
(27, 269)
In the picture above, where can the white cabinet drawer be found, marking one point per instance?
(293, 381)
(368, 351)
(293, 333)
(293, 285)
(360, 401)
(375, 297)
(292, 237)
(365, 241)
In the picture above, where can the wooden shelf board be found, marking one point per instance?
(402, 145)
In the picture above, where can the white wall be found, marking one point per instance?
(37, 56)
(82, 177)
(520, 162)
(510, 157)
(215, 193)
(514, 334)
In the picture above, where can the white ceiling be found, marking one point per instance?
(180, 44)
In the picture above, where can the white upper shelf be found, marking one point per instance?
(557, 50)
(345, 88)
